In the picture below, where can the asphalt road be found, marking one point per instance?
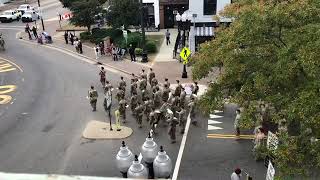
(40, 132)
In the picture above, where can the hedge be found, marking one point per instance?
(151, 47)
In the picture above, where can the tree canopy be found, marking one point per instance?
(124, 12)
(270, 53)
(84, 12)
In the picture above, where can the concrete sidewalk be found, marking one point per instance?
(171, 69)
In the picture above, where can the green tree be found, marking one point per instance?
(84, 12)
(124, 12)
(270, 53)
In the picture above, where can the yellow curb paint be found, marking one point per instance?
(5, 99)
(8, 66)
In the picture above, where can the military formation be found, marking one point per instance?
(150, 103)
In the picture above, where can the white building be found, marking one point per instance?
(203, 24)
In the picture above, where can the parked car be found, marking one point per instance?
(8, 16)
(18, 13)
(25, 7)
(30, 16)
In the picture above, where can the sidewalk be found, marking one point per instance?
(170, 68)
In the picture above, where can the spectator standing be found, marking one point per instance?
(76, 43)
(101, 45)
(71, 37)
(114, 54)
(132, 53)
(168, 37)
(96, 51)
(236, 174)
(66, 37)
(237, 123)
(34, 31)
(80, 47)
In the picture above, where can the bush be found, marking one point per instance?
(151, 47)
(85, 35)
(135, 39)
(98, 34)
(138, 51)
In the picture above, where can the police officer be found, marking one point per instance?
(122, 84)
(165, 93)
(133, 102)
(139, 114)
(182, 98)
(143, 75)
(182, 119)
(151, 75)
(177, 91)
(122, 109)
(93, 97)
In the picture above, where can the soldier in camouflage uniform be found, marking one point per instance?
(139, 114)
(182, 98)
(182, 119)
(157, 98)
(122, 109)
(166, 82)
(120, 95)
(143, 75)
(108, 86)
(162, 113)
(151, 75)
(133, 78)
(134, 87)
(134, 102)
(175, 104)
(122, 84)
(172, 127)
(143, 84)
(177, 91)
(153, 120)
(191, 106)
(93, 97)
(144, 95)
(148, 107)
(165, 93)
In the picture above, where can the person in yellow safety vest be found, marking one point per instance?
(117, 115)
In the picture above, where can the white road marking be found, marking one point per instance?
(213, 116)
(217, 111)
(210, 127)
(182, 145)
(213, 122)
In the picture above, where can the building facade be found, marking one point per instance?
(203, 24)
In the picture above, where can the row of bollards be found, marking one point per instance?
(158, 163)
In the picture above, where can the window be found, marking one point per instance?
(209, 7)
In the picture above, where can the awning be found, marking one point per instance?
(204, 31)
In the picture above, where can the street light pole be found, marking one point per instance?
(41, 15)
(144, 53)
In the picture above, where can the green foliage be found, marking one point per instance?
(85, 35)
(67, 3)
(135, 39)
(84, 11)
(138, 51)
(270, 53)
(124, 12)
(151, 47)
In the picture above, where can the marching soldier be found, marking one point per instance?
(191, 106)
(151, 76)
(162, 112)
(177, 91)
(143, 75)
(143, 84)
(172, 127)
(153, 120)
(182, 99)
(148, 107)
(133, 102)
(93, 97)
(154, 82)
(157, 98)
(122, 84)
(108, 87)
(120, 94)
(133, 78)
(182, 119)
(144, 95)
(139, 114)
(133, 87)
(175, 104)
(165, 93)
(122, 109)
(166, 82)
(102, 74)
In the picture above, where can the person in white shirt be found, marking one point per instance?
(96, 51)
(236, 174)
(237, 123)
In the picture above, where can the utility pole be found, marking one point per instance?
(41, 15)
(144, 53)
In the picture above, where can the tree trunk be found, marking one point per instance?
(89, 27)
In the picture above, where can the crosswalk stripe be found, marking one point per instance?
(210, 127)
(213, 116)
(213, 122)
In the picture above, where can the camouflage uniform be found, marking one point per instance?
(120, 95)
(175, 105)
(165, 94)
(182, 119)
(151, 76)
(144, 76)
(177, 91)
(182, 98)
(163, 112)
(93, 97)
(153, 121)
(191, 106)
(133, 88)
(144, 95)
(122, 85)
(154, 82)
(122, 109)
(133, 103)
(166, 83)
(172, 129)
(148, 108)
(139, 114)
(143, 84)
(157, 99)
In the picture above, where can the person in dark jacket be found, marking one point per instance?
(132, 53)
(80, 46)
(66, 37)
(34, 31)
(71, 37)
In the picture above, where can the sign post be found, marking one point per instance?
(185, 54)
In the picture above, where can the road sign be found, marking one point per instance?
(185, 54)
(270, 172)
(272, 141)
